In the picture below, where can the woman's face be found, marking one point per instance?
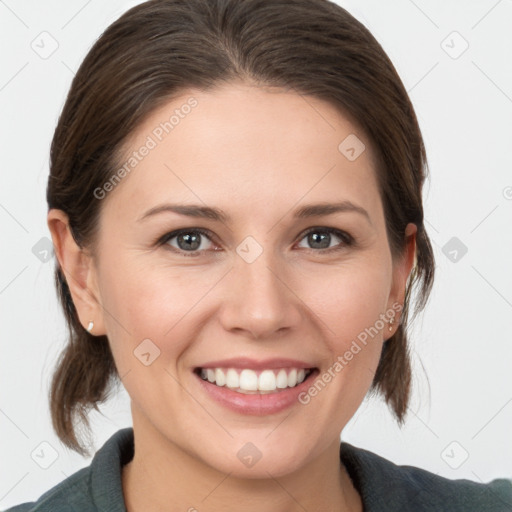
(252, 284)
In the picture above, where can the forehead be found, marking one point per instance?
(245, 146)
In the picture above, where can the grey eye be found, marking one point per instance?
(191, 240)
(321, 238)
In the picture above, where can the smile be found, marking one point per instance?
(248, 381)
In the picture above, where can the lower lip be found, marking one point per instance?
(256, 404)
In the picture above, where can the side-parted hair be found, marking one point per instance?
(161, 48)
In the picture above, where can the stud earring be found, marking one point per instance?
(391, 322)
(90, 326)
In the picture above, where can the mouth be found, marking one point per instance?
(256, 382)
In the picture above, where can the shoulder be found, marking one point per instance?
(385, 486)
(69, 495)
(95, 487)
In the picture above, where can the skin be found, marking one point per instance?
(258, 154)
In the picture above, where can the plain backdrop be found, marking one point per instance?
(455, 59)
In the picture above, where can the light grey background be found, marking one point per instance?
(462, 345)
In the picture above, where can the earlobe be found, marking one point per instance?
(77, 266)
(402, 269)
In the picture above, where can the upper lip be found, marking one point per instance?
(253, 364)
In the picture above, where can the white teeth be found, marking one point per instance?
(292, 378)
(282, 379)
(267, 380)
(220, 378)
(248, 381)
(232, 379)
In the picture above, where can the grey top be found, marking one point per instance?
(383, 485)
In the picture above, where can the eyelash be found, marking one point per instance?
(347, 239)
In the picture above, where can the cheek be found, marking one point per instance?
(349, 303)
(152, 302)
(349, 298)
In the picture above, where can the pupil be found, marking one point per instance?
(190, 241)
(323, 239)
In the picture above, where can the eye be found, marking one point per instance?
(190, 241)
(321, 238)
(193, 241)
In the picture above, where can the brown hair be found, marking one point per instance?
(160, 48)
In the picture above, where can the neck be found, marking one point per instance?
(161, 476)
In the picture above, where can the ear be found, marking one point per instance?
(401, 270)
(78, 269)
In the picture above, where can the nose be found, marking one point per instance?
(259, 298)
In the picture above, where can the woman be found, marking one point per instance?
(235, 205)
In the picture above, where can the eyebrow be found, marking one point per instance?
(207, 212)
